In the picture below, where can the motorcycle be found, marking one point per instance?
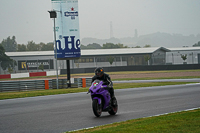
(101, 100)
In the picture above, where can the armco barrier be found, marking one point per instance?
(42, 84)
(62, 83)
(22, 85)
(82, 82)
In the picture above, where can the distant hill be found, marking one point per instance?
(155, 40)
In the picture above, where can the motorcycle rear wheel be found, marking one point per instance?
(114, 108)
(97, 108)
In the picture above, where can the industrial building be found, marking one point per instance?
(30, 61)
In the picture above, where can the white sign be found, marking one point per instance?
(67, 28)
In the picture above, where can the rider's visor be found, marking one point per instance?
(98, 74)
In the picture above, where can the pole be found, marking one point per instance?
(54, 15)
(0, 67)
(56, 52)
(68, 73)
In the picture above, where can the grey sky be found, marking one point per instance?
(29, 20)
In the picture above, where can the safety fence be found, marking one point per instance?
(26, 85)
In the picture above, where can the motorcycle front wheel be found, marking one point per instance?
(97, 108)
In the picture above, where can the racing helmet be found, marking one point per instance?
(99, 71)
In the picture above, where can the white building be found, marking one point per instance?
(30, 61)
(192, 54)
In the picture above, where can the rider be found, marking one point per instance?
(100, 75)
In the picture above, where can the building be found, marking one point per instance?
(192, 54)
(30, 61)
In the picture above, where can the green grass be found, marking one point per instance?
(135, 72)
(11, 95)
(138, 85)
(180, 122)
(149, 78)
(34, 93)
(115, 73)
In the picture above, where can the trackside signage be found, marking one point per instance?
(67, 29)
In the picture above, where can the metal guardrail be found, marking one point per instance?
(22, 85)
(79, 83)
(40, 84)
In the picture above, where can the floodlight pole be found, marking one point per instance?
(54, 15)
(56, 53)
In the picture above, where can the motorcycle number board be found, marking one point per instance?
(67, 29)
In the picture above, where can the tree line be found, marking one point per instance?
(109, 46)
(5, 61)
(197, 44)
(10, 45)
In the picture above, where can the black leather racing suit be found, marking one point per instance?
(107, 81)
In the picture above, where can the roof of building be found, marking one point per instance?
(93, 52)
(185, 49)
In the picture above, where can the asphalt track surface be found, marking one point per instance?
(66, 112)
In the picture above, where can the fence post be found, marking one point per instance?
(1, 88)
(83, 82)
(46, 84)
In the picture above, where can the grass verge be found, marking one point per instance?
(150, 78)
(11, 95)
(115, 73)
(181, 122)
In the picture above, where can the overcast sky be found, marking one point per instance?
(29, 20)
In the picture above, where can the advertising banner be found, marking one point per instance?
(35, 64)
(67, 29)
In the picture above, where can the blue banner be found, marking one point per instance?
(67, 29)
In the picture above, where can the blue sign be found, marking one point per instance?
(67, 29)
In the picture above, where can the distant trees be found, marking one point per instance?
(113, 46)
(41, 67)
(110, 59)
(147, 46)
(184, 57)
(137, 47)
(32, 46)
(105, 46)
(147, 58)
(47, 47)
(21, 48)
(9, 44)
(91, 46)
(5, 61)
(196, 44)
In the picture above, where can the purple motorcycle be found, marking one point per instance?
(101, 100)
